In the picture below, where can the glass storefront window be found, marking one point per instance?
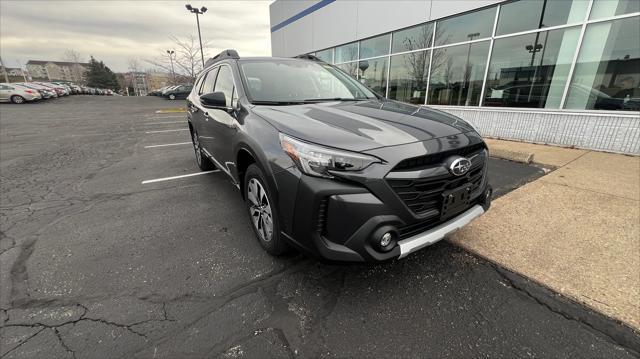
(325, 55)
(376, 46)
(408, 77)
(607, 73)
(607, 8)
(413, 38)
(346, 53)
(457, 73)
(539, 14)
(530, 70)
(373, 73)
(351, 68)
(472, 26)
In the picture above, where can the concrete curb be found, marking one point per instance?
(516, 156)
(619, 332)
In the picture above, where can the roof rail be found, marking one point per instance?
(225, 54)
(307, 57)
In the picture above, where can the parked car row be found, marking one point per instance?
(21, 92)
(173, 92)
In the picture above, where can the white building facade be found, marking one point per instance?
(563, 72)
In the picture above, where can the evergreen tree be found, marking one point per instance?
(101, 76)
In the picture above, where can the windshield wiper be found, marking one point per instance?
(277, 103)
(311, 100)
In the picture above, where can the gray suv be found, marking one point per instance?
(329, 167)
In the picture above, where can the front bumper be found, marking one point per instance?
(435, 234)
(32, 97)
(345, 220)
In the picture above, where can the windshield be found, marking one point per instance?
(295, 81)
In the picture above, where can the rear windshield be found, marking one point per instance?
(297, 81)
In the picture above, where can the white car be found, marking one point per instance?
(17, 94)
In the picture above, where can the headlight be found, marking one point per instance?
(317, 161)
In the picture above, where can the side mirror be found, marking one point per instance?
(214, 100)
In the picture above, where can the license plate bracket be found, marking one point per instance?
(455, 201)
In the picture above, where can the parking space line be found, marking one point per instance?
(169, 144)
(181, 129)
(162, 123)
(176, 177)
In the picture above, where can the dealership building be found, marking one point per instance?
(564, 72)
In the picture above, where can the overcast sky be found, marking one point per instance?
(115, 31)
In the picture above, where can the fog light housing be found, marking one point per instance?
(485, 199)
(386, 239)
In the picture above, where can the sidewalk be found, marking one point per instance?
(575, 230)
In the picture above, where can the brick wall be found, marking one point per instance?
(609, 132)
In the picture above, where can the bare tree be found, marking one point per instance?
(441, 66)
(416, 62)
(133, 64)
(187, 60)
(137, 79)
(419, 61)
(77, 70)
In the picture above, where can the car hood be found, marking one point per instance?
(362, 125)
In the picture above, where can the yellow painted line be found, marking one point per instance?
(172, 110)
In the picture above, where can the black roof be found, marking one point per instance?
(233, 54)
(226, 54)
(307, 57)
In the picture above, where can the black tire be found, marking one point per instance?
(204, 163)
(275, 244)
(172, 97)
(17, 99)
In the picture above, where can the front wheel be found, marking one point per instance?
(203, 162)
(17, 99)
(172, 97)
(263, 214)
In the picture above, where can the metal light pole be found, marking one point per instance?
(533, 49)
(173, 72)
(197, 11)
(4, 70)
(46, 69)
(467, 73)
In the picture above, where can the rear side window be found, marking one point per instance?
(224, 84)
(198, 84)
(209, 81)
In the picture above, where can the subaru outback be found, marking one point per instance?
(329, 167)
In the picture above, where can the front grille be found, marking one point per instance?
(424, 195)
(422, 226)
(415, 163)
(323, 208)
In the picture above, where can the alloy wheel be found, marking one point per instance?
(260, 209)
(18, 99)
(196, 148)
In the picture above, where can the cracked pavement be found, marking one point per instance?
(95, 265)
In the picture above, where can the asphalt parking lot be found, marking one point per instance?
(101, 257)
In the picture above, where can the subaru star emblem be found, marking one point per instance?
(459, 166)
